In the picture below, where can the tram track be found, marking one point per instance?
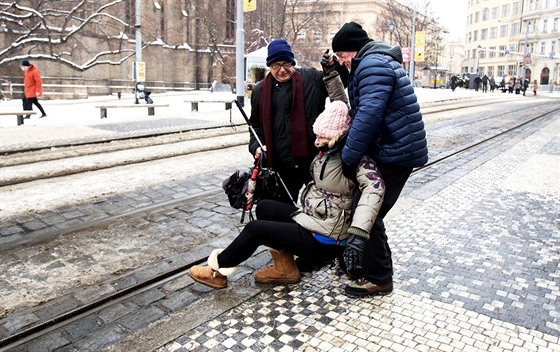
(34, 165)
(70, 316)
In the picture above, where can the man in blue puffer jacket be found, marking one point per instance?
(387, 125)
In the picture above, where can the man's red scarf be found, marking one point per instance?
(298, 127)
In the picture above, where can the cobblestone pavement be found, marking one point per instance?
(476, 269)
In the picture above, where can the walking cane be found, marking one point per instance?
(262, 148)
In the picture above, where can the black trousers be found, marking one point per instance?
(275, 228)
(28, 105)
(377, 262)
(294, 179)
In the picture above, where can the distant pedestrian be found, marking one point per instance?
(503, 85)
(517, 85)
(485, 84)
(492, 84)
(535, 87)
(33, 88)
(477, 82)
(511, 84)
(453, 83)
(525, 86)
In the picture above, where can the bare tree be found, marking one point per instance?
(401, 15)
(64, 31)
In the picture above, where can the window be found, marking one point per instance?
(543, 48)
(514, 29)
(492, 53)
(517, 8)
(546, 4)
(301, 36)
(475, 36)
(317, 35)
(501, 69)
(230, 19)
(482, 53)
(545, 26)
(484, 34)
(512, 70)
(504, 30)
(505, 10)
(493, 32)
(485, 13)
(513, 47)
(495, 12)
(553, 47)
(490, 71)
(476, 16)
(502, 49)
(555, 25)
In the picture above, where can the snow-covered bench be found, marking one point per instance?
(151, 108)
(19, 115)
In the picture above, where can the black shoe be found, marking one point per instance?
(27, 117)
(44, 115)
(364, 288)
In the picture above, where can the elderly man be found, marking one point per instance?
(387, 126)
(284, 107)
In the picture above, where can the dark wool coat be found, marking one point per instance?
(387, 124)
(314, 95)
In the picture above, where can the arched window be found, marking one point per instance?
(545, 73)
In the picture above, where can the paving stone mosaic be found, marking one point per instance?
(476, 269)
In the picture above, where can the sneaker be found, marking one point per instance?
(362, 288)
(45, 115)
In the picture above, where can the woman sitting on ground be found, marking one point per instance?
(321, 229)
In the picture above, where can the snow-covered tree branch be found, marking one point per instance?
(77, 33)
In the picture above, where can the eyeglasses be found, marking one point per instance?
(276, 66)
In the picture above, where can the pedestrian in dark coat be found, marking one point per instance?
(284, 107)
(477, 82)
(485, 84)
(387, 125)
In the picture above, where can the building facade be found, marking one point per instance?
(514, 38)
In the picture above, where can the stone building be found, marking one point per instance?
(509, 38)
(183, 48)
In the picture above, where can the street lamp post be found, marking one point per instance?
(438, 39)
(478, 59)
(392, 25)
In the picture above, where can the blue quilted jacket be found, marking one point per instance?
(387, 124)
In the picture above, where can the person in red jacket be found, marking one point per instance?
(33, 87)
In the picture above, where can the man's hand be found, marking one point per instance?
(259, 151)
(354, 254)
(329, 63)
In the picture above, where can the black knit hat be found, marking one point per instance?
(25, 63)
(280, 50)
(351, 37)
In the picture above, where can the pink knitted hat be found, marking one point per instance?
(332, 122)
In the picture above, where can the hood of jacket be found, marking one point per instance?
(374, 47)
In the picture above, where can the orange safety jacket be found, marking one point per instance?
(32, 82)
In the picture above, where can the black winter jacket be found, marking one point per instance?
(314, 96)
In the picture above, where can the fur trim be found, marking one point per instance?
(213, 263)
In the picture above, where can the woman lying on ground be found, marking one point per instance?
(321, 230)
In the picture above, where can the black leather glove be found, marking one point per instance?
(353, 254)
(326, 59)
(349, 171)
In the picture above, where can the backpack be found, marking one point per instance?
(243, 195)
